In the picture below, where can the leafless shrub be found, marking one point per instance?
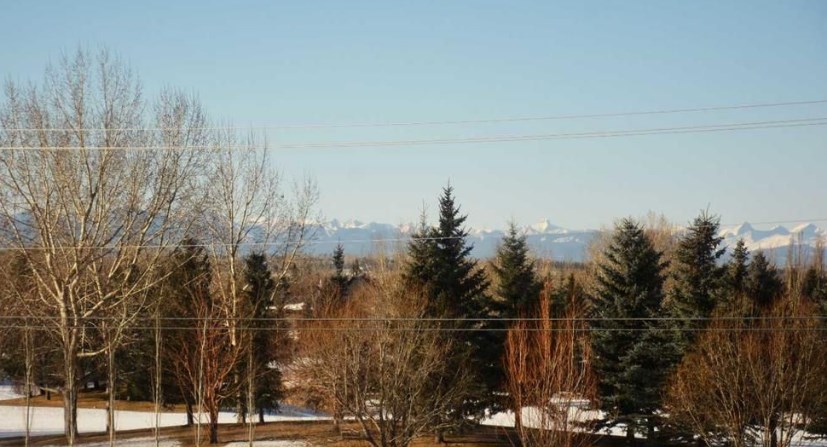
(378, 362)
(756, 381)
(548, 378)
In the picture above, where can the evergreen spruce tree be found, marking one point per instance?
(698, 279)
(518, 288)
(736, 270)
(763, 283)
(517, 292)
(814, 285)
(632, 355)
(441, 267)
(440, 262)
(460, 285)
(260, 292)
(339, 279)
(420, 268)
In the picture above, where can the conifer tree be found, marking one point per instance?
(460, 285)
(420, 268)
(440, 262)
(517, 292)
(763, 283)
(814, 285)
(339, 279)
(518, 288)
(632, 355)
(455, 288)
(339, 261)
(260, 291)
(698, 279)
(736, 273)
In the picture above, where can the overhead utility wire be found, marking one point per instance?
(458, 329)
(182, 319)
(567, 136)
(444, 122)
(774, 124)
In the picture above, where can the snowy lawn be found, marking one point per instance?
(49, 421)
(137, 442)
(7, 391)
(269, 444)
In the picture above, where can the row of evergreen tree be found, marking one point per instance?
(645, 311)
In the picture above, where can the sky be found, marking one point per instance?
(274, 63)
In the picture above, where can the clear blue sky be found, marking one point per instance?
(273, 62)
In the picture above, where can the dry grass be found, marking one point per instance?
(91, 399)
(314, 433)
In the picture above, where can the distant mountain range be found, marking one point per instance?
(544, 239)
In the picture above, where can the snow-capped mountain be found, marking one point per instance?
(776, 241)
(361, 239)
(545, 239)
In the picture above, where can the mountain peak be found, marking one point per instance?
(805, 230)
(545, 226)
(743, 229)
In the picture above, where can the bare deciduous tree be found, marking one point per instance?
(547, 375)
(82, 204)
(755, 381)
(246, 206)
(379, 362)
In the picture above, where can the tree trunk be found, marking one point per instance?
(337, 418)
(157, 386)
(518, 419)
(261, 415)
(70, 391)
(774, 431)
(240, 410)
(28, 342)
(190, 418)
(630, 436)
(213, 426)
(110, 410)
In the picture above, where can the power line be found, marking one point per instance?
(436, 319)
(754, 125)
(444, 122)
(569, 136)
(461, 329)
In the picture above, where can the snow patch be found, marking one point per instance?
(280, 443)
(136, 442)
(49, 421)
(8, 391)
(295, 307)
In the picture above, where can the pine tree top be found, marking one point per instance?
(698, 277)
(517, 286)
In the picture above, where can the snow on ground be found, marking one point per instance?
(281, 443)
(532, 418)
(49, 421)
(8, 391)
(136, 442)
